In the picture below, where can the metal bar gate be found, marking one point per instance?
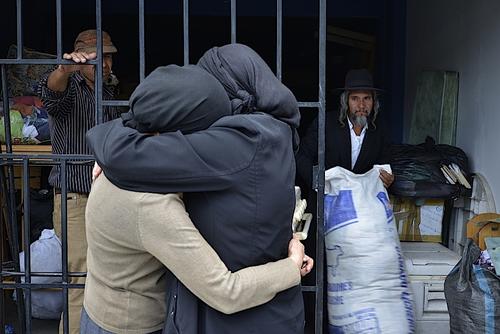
(22, 280)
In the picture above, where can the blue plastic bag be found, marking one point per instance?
(473, 295)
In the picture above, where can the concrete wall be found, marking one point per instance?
(463, 36)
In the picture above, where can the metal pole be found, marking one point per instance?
(64, 245)
(185, 15)
(14, 236)
(98, 70)
(321, 174)
(19, 19)
(6, 116)
(279, 38)
(233, 21)
(59, 29)
(2, 238)
(142, 62)
(27, 250)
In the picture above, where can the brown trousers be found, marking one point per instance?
(77, 252)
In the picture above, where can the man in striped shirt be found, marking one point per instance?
(68, 95)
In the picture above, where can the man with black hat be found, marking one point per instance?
(354, 139)
(68, 95)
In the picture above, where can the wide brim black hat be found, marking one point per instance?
(359, 79)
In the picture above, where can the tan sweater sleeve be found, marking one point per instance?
(167, 232)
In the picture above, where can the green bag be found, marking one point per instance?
(16, 126)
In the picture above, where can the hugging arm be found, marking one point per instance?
(172, 238)
(208, 160)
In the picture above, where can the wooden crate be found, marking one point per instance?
(35, 171)
(35, 174)
(418, 222)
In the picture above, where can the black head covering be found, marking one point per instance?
(175, 98)
(359, 79)
(250, 84)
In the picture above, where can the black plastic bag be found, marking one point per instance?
(473, 295)
(417, 170)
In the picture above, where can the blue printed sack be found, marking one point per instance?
(367, 286)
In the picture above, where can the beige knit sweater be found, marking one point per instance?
(134, 237)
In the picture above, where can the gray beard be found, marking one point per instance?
(360, 121)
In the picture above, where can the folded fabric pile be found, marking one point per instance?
(29, 121)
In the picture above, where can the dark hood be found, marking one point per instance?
(175, 98)
(250, 83)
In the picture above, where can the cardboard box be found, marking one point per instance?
(418, 222)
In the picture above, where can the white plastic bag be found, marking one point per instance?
(45, 257)
(367, 283)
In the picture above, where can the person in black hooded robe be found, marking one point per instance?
(133, 236)
(238, 183)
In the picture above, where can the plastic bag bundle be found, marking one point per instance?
(473, 295)
(46, 258)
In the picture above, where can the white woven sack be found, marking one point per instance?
(367, 283)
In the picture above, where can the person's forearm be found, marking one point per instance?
(249, 287)
(58, 80)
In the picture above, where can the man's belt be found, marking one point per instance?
(71, 195)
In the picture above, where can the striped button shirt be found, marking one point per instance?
(71, 115)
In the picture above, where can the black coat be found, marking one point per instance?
(338, 148)
(337, 153)
(238, 182)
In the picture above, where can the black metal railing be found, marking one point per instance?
(9, 160)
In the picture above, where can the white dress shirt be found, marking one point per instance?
(356, 142)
